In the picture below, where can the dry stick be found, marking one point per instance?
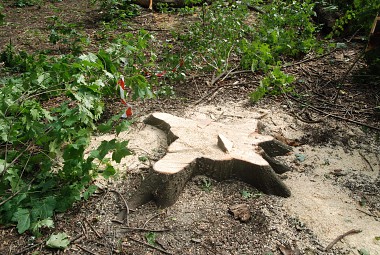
(367, 213)
(335, 116)
(151, 246)
(308, 59)
(76, 238)
(145, 229)
(151, 218)
(366, 160)
(93, 229)
(16, 193)
(213, 92)
(352, 231)
(353, 64)
(27, 249)
(86, 250)
(125, 204)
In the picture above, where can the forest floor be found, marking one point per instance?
(335, 177)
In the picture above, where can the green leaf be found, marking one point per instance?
(58, 241)
(121, 151)
(246, 194)
(22, 216)
(109, 171)
(300, 157)
(363, 252)
(123, 126)
(2, 165)
(151, 238)
(90, 190)
(45, 208)
(103, 149)
(35, 227)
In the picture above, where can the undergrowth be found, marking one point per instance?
(49, 108)
(228, 36)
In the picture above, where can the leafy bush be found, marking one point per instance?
(67, 35)
(118, 9)
(275, 83)
(47, 114)
(358, 15)
(226, 32)
(214, 39)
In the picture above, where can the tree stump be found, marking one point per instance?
(213, 149)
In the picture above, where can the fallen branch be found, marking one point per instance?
(150, 246)
(352, 231)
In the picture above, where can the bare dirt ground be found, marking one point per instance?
(334, 181)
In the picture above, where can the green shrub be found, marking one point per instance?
(358, 15)
(47, 114)
(274, 83)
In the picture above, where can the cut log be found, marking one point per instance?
(196, 148)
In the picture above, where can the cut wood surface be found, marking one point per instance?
(216, 150)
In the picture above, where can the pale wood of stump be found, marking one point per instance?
(217, 150)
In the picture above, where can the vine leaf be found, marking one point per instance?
(121, 151)
(58, 241)
(22, 216)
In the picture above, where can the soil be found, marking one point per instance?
(335, 177)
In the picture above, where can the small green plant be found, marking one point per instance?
(66, 34)
(274, 83)
(16, 61)
(2, 15)
(151, 238)
(247, 194)
(118, 9)
(206, 184)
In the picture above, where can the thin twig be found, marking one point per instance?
(211, 94)
(217, 78)
(16, 193)
(150, 246)
(76, 238)
(145, 229)
(335, 116)
(352, 231)
(125, 204)
(27, 249)
(93, 229)
(308, 59)
(353, 64)
(86, 250)
(151, 218)
(366, 160)
(367, 213)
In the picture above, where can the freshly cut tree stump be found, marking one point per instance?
(217, 150)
